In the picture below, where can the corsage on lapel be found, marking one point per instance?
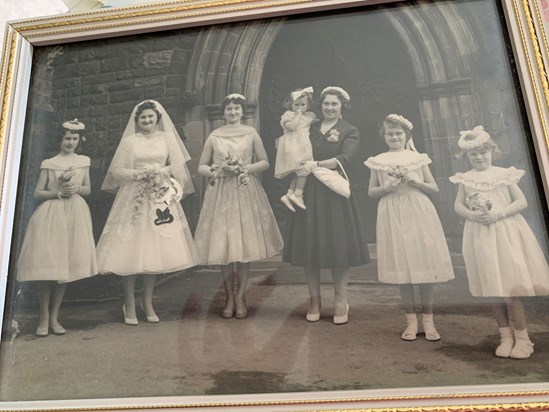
(334, 136)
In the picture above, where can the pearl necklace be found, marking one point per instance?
(325, 127)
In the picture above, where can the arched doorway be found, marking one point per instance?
(332, 51)
(441, 64)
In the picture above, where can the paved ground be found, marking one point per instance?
(193, 351)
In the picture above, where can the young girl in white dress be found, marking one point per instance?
(294, 147)
(411, 246)
(502, 256)
(147, 231)
(58, 246)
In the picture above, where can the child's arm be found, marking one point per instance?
(517, 205)
(375, 189)
(40, 192)
(262, 162)
(85, 189)
(205, 159)
(429, 185)
(290, 123)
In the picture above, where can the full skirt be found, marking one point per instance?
(134, 241)
(504, 259)
(58, 243)
(236, 224)
(411, 246)
(328, 234)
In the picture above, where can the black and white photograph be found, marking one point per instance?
(347, 202)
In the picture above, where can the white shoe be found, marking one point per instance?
(410, 333)
(342, 319)
(298, 200)
(431, 333)
(523, 349)
(504, 348)
(286, 200)
(128, 321)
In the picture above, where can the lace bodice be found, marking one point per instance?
(150, 153)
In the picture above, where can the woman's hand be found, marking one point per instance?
(306, 168)
(411, 180)
(390, 185)
(68, 189)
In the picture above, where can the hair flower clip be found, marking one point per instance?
(74, 125)
(337, 89)
(397, 118)
(471, 139)
(235, 96)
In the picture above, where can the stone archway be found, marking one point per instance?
(446, 46)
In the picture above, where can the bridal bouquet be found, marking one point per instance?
(230, 167)
(478, 202)
(154, 187)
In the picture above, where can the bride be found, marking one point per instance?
(146, 231)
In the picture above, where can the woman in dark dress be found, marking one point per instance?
(328, 234)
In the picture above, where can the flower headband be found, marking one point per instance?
(74, 125)
(396, 118)
(337, 89)
(298, 93)
(472, 139)
(235, 96)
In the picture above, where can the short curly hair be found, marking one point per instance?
(147, 105)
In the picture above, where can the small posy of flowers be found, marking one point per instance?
(154, 186)
(398, 172)
(334, 136)
(230, 167)
(67, 175)
(478, 202)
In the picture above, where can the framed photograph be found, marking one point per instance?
(276, 205)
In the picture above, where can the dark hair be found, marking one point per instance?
(289, 101)
(147, 105)
(392, 123)
(69, 126)
(345, 103)
(235, 100)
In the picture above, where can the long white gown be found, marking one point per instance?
(132, 241)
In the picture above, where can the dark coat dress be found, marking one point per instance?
(329, 233)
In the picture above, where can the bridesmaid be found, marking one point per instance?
(236, 224)
(58, 246)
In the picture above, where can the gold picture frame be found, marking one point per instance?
(28, 40)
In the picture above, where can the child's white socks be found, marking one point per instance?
(410, 333)
(431, 333)
(506, 343)
(523, 345)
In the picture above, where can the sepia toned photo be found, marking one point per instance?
(343, 203)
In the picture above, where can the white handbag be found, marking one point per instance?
(334, 180)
